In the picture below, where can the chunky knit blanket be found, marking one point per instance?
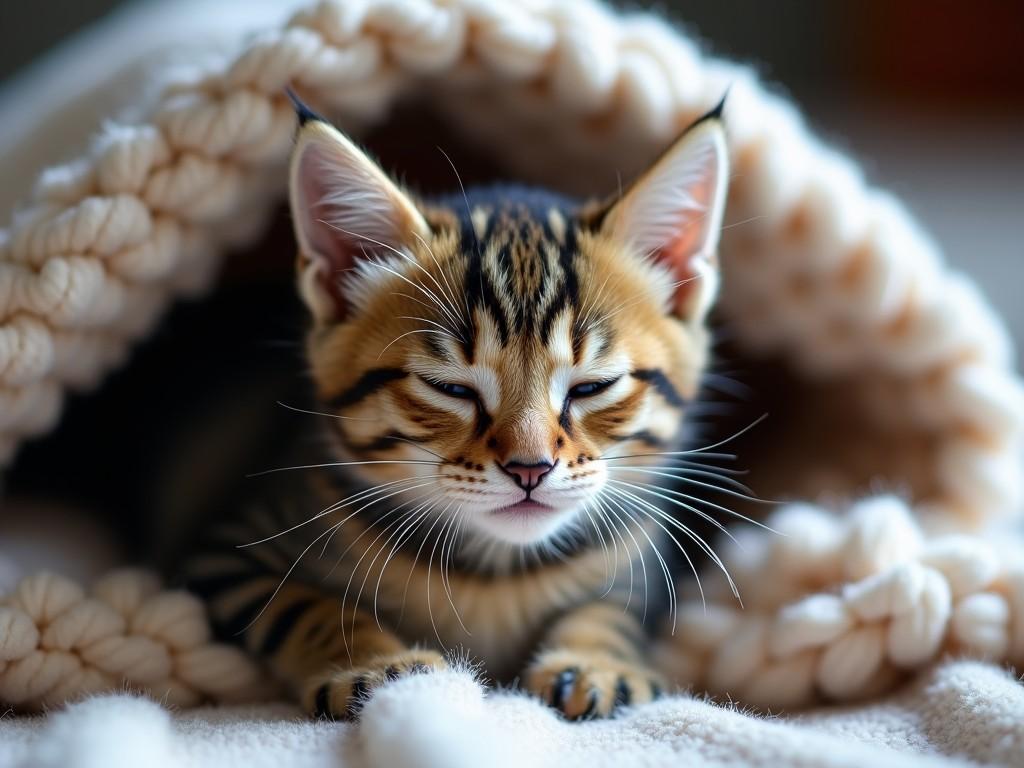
(903, 374)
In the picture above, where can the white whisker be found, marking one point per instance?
(377, 501)
(608, 571)
(343, 464)
(450, 294)
(667, 455)
(443, 329)
(452, 533)
(403, 536)
(410, 333)
(430, 565)
(700, 500)
(692, 536)
(404, 256)
(284, 578)
(355, 568)
(422, 288)
(322, 413)
(605, 514)
(661, 494)
(353, 499)
(669, 581)
(687, 475)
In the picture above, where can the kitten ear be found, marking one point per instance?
(672, 214)
(344, 208)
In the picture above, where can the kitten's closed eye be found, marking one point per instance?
(463, 392)
(590, 388)
(460, 391)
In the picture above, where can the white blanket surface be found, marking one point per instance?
(959, 713)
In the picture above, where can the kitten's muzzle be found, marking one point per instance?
(527, 476)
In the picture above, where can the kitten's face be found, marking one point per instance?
(490, 356)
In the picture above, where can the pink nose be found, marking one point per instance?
(527, 476)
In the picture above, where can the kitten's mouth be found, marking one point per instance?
(525, 508)
(526, 522)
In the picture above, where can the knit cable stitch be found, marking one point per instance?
(59, 643)
(840, 608)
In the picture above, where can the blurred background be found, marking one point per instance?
(927, 94)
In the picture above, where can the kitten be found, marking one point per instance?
(500, 369)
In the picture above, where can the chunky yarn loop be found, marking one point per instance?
(840, 608)
(59, 643)
(822, 271)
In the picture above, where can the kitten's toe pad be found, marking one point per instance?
(339, 693)
(584, 685)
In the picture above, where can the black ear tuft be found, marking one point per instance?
(715, 113)
(303, 112)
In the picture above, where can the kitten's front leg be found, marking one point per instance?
(339, 688)
(592, 662)
(333, 661)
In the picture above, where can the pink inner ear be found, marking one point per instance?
(327, 242)
(332, 252)
(681, 253)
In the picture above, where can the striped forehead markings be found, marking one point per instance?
(568, 295)
(520, 255)
(522, 271)
(481, 294)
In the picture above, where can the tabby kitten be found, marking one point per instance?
(484, 360)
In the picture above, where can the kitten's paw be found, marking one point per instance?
(584, 685)
(340, 692)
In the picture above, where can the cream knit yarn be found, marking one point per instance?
(840, 608)
(58, 643)
(910, 370)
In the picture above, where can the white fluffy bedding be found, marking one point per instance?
(959, 713)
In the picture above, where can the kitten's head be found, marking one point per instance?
(490, 354)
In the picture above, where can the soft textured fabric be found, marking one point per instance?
(960, 713)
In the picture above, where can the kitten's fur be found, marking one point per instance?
(500, 345)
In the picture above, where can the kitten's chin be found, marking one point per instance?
(526, 522)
